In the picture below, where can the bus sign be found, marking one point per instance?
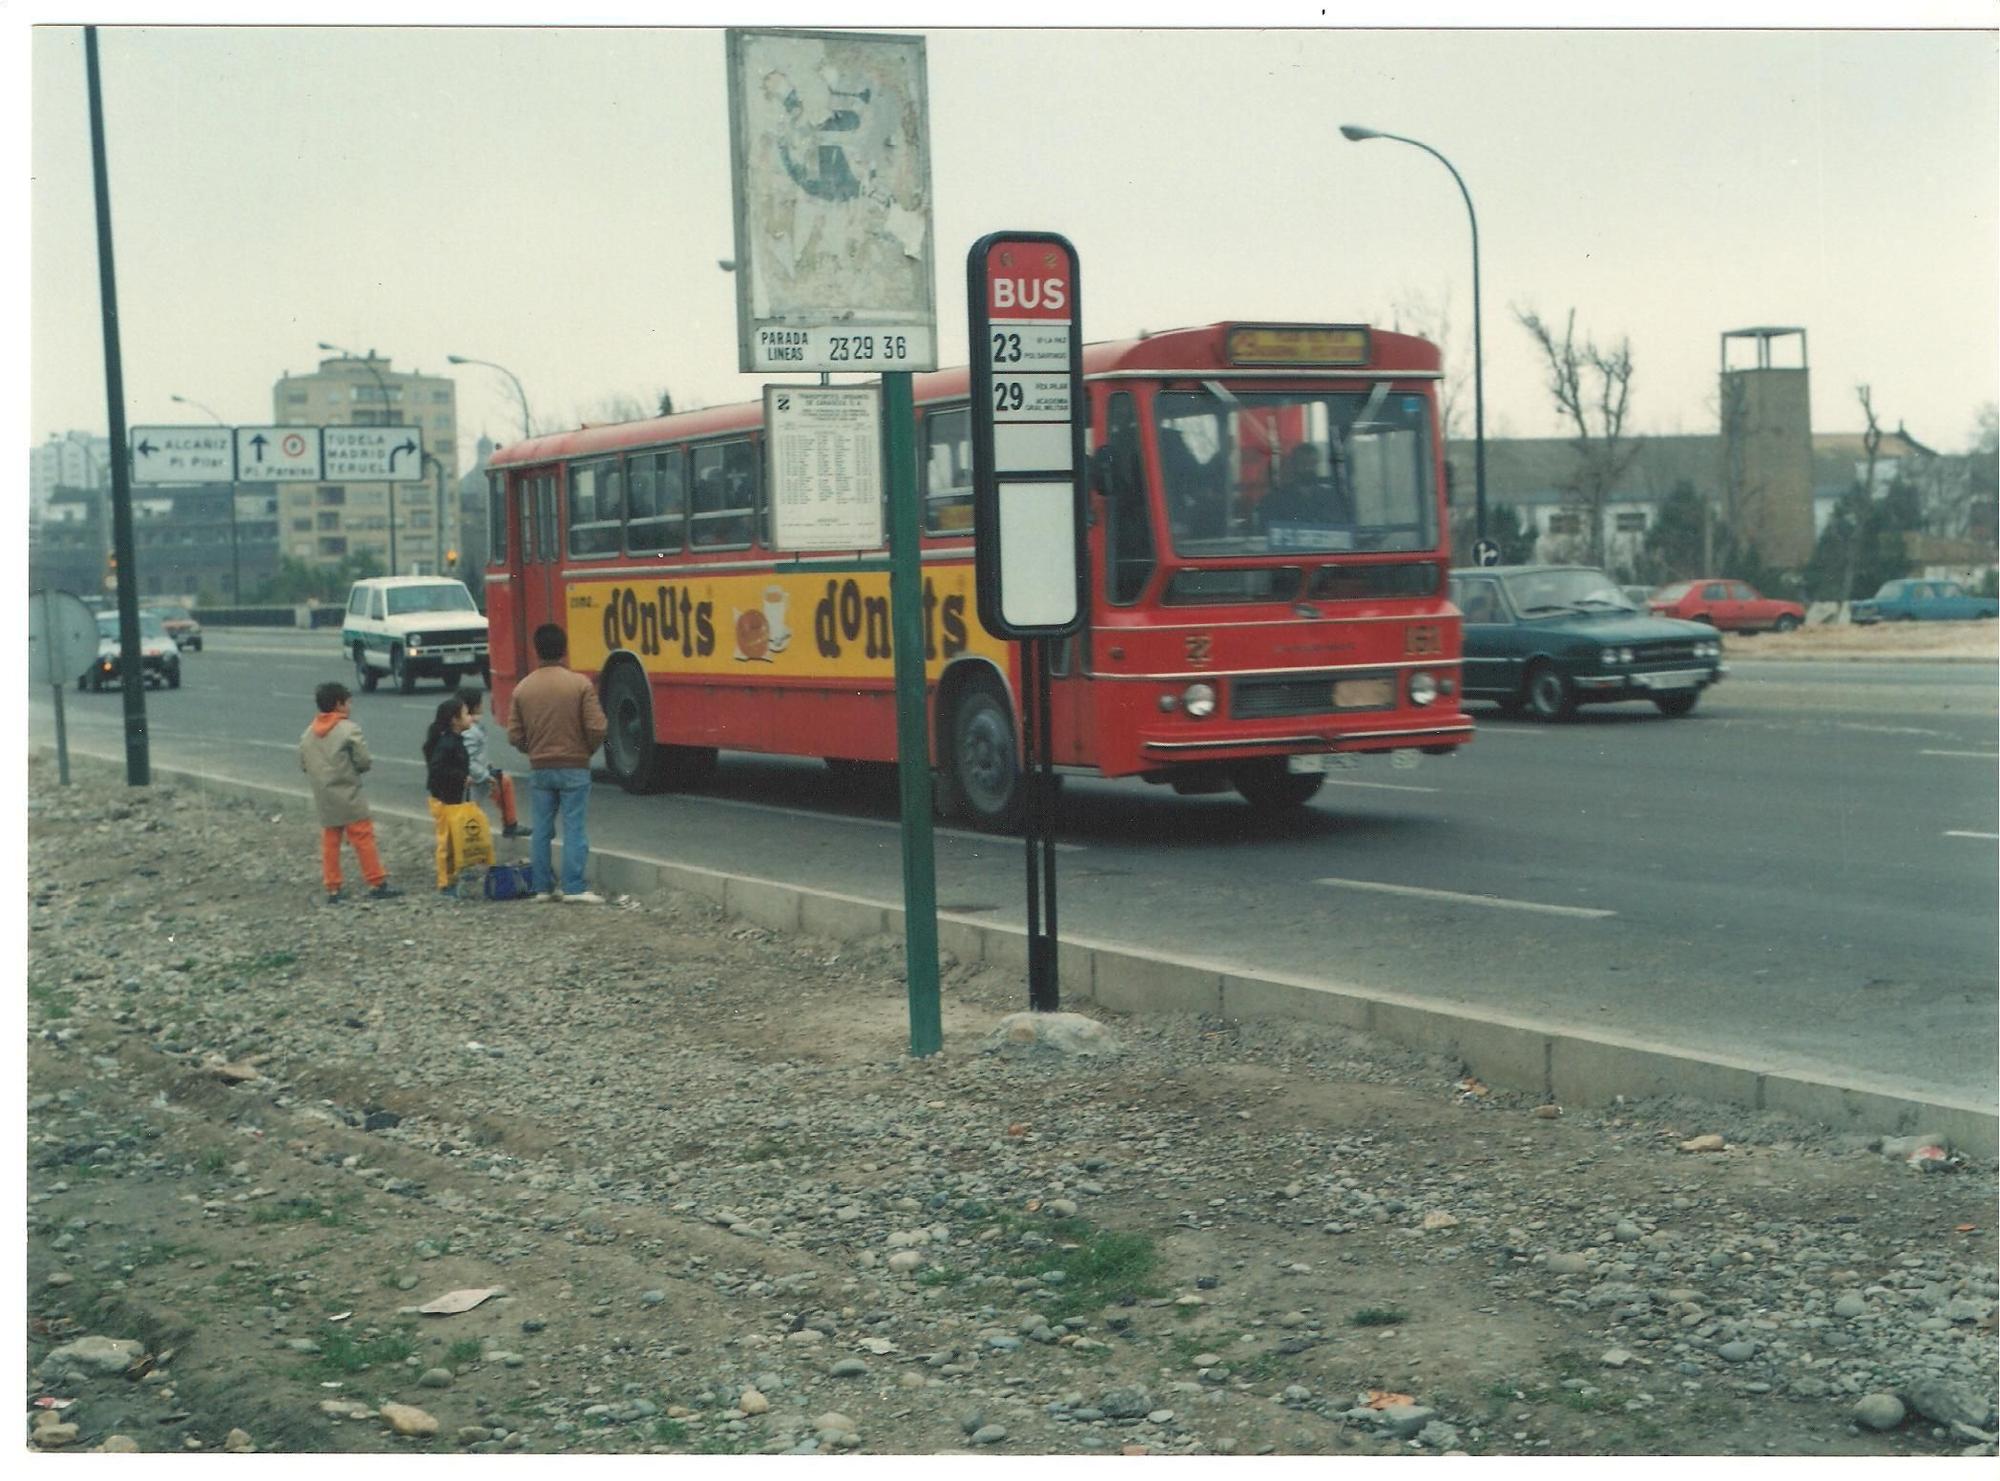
(1028, 419)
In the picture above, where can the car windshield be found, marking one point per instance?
(1565, 591)
(445, 596)
(1673, 593)
(174, 614)
(1245, 473)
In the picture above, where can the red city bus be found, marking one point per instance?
(1268, 551)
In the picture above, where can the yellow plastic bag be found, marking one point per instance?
(471, 835)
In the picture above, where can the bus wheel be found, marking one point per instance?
(629, 753)
(981, 781)
(1268, 787)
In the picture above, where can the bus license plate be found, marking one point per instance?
(1319, 765)
(1363, 694)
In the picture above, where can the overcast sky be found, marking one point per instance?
(556, 201)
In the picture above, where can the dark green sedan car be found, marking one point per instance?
(1549, 638)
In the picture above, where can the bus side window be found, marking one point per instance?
(725, 494)
(659, 502)
(948, 471)
(496, 519)
(595, 508)
(1128, 532)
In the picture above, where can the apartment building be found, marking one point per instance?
(407, 526)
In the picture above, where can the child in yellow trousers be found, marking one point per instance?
(448, 769)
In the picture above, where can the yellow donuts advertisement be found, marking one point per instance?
(785, 624)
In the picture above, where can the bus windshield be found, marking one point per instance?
(1255, 472)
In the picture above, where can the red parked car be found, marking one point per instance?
(1731, 606)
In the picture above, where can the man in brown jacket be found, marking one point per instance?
(556, 721)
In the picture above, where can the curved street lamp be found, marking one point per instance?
(235, 560)
(1354, 133)
(368, 364)
(527, 424)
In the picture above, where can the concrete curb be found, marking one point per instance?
(1551, 1060)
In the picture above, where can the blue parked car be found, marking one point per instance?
(1914, 600)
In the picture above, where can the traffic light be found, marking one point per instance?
(451, 559)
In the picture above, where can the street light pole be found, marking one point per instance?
(368, 364)
(437, 539)
(1354, 133)
(235, 560)
(527, 423)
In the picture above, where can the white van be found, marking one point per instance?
(412, 627)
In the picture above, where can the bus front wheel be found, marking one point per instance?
(629, 753)
(981, 781)
(1269, 787)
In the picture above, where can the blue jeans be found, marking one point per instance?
(568, 788)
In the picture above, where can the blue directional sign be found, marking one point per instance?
(278, 454)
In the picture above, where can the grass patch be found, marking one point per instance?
(942, 1275)
(720, 1442)
(1105, 1266)
(1378, 1316)
(669, 1431)
(52, 1000)
(1596, 1401)
(212, 1159)
(465, 1350)
(341, 1353)
(302, 1211)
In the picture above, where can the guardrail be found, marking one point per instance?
(296, 617)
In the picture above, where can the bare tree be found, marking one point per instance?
(1871, 444)
(1592, 388)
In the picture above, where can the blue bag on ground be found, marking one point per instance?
(509, 882)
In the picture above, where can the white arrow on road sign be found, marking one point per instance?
(373, 454)
(182, 455)
(277, 454)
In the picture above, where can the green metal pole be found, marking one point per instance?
(920, 951)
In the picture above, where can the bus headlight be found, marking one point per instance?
(1198, 700)
(1423, 687)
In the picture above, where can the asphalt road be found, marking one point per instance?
(1802, 873)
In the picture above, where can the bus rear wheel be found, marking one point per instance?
(981, 780)
(1269, 787)
(630, 755)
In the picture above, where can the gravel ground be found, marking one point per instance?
(721, 1212)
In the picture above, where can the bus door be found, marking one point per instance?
(537, 554)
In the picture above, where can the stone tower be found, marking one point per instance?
(1766, 474)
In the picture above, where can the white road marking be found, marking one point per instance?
(1968, 755)
(1530, 732)
(1454, 897)
(1884, 729)
(1379, 786)
(1961, 833)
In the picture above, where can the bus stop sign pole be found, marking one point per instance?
(1028, 420)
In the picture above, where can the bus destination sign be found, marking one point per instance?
(1297, 344)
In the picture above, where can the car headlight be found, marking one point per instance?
(1609, 657)
(1198, 700)
(1423, 687)
(416, 640)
